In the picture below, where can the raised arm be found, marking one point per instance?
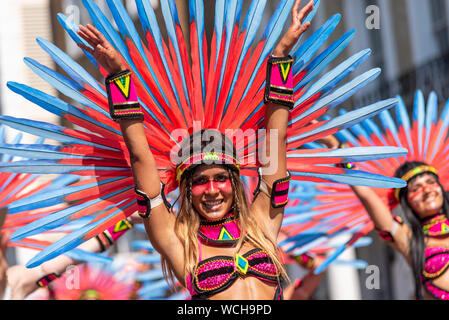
(160, 223)
(276, 121)
(389, 227)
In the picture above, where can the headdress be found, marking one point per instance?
(222, 89)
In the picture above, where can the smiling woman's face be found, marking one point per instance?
(212, 194)
(425, 196)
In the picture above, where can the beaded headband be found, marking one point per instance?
(413, 173)
(206, 158)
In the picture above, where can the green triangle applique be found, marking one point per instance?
(285, 71)
(123, 84)
(121, 226)
(224, 234)
(444, 227)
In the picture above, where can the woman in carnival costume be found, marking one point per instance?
(421, 232)
(218, 245)
(212, 199)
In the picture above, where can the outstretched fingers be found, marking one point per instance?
(303, 13)
(99, 36)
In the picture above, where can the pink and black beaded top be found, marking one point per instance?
(437, 258)
(216, 274)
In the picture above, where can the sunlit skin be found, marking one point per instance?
(425, 196)
(212, 194)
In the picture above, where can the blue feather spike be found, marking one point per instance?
(49, 222)
(35, 151)
(309, 18)
(149, 23)
(331, 258)
(105, 27)
(53, 167)
(6, 157)
(389, 124)
(142, 244)
(345, 136)
(196, 9)
(150, 275)
(418, 118)
(87, 256)
(55, 105)
(250, 26)
(350, 118)
(357, 154)
(334, 77)
(71, 28)
(67, 243)
(323, 60)
(271, 34)
(220, 8)
(357, 129)
(47, 130)
(403, 120)
(126, 26)
(63, 84)
(170, 14)
(73, 69)
(341, 94)
(307, 50)
(153, 288)
(443, 132)
(28, 203)
(357, 178)
(431, 117)
(233, 9)
(149, 258)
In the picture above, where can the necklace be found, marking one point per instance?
(436, 226)
(225, 231)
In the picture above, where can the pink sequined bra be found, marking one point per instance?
(216, 274)
(437, 263)
(437, 258)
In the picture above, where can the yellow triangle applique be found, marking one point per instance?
(444, 227)
(121, 226)
(123, 84)
(285, 71)
(224, 234)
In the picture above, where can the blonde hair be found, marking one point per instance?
(188, 222)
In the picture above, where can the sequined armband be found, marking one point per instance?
(145, 204)
(108, 237)
(279, 191)
(45, 280)
(122, 97)
(388, 236)
(306, 261)
(279, 83)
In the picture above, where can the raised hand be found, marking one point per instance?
(101, 50)
(296, 29)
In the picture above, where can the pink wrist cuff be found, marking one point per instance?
(279, 83)
(111, 235)
(122, 97)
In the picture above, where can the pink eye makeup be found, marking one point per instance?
(416, 194)
(201, 185)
